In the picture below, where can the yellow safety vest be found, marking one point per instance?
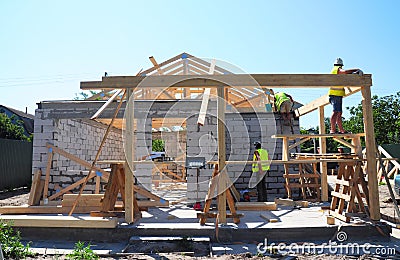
(337, 90)
(280, 97)
(263, 157)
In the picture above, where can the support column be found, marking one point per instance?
(322, 150)
(370, 146)
(221, 156)
(129, 156)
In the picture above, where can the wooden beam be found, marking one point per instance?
(295, 136)
(269, 217)
(206, 97)
(47, 175)
(34, 194)
(222, 185)
(232, 80)
(78, 160)
(162, 64)
(257, 206)
(370, 147)
(160, 71)
(321, 102)
(322, 150)
(105, 105)
(290, 202)
(61, 221)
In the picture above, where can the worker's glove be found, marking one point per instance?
(360, 72)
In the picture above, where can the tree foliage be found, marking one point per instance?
(10, 130)
(386, 114)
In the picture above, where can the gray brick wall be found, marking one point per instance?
(79, 137)
(242, 129)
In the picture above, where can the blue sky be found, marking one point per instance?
(48, 47)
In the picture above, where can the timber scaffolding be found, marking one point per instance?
(207, 79)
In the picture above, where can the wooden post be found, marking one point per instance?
(221, 156)
(48, 168)
(370, 146)
(130, 151)
(322, 150)
(285, 149)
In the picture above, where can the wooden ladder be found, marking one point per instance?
(306, 180)
(347, 198)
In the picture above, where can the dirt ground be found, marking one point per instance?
(20, 197)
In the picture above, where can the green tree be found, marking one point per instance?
(386, 114)
(10, 130)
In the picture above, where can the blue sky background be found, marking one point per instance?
(48, 47)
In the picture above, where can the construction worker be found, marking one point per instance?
(283, 103)
(336, 94)
(260, 155)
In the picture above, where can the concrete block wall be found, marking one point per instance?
(79, 137)
(241, 132)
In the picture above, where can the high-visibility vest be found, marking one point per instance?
(336, 90)
(263, 155)
(280, 97)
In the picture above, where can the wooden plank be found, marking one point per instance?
(222, 186)
(111, 194)
(162, 64)
(160, 71)
(47, 209)
(72, 197)
(322, 147)
(70, 187)
(78, 160)
(321, 102)
(370, 146)
(130, 200)
(233, 80)
(285, 149)
(256, 206)
(340, 195)
(269, 217)
(290, 202)
(61, 221)
(214, 215)
(105, 105)
(35, 194)
(302, 140)
(295, 136)
(339, 216)
(340, 140)
(47, 174)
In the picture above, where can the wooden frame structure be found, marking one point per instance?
(183, 83)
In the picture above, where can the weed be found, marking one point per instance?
(82, 252)
(11, 242)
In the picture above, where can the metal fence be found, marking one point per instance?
(15, 163)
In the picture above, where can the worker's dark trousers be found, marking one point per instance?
(262, 190)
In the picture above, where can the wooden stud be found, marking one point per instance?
(370, 153)
(221, 198)
(34, 197)
(47, 176)
(130, 157)
(322, 147)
